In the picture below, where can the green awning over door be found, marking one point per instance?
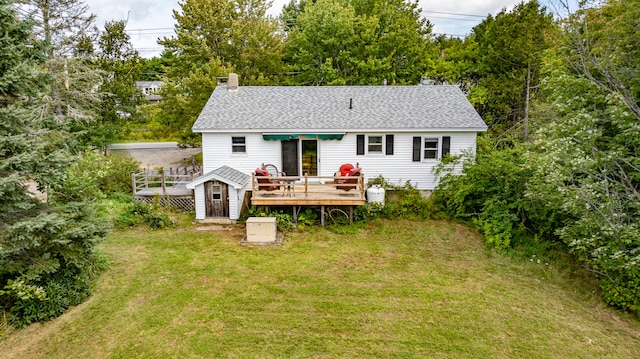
(304, 136)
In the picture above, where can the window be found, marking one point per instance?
(238, 145)
(431, 148)
(375, 144)
(216, 192)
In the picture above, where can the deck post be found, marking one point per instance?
(133, 182)
(350, 214)
(295, 215)
(164, 183)
(146, 180)
(322, 215)
(253, 184)
(306, 184)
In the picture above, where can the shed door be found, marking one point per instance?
(217, 195)
(290, 158)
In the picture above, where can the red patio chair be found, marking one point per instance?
(347, 170)
(266, 182)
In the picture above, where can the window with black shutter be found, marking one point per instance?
(388, 145)
(360, 145)
(417, 144)
(446, 145)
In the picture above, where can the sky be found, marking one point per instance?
(148, 20)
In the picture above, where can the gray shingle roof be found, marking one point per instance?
(225, 174)
(327, 108)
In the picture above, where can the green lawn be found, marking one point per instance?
(395, 289)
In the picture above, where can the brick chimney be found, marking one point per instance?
(232, 83)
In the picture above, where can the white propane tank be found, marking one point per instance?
(375, 194)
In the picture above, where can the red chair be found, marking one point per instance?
(347, 170)
(265, 182)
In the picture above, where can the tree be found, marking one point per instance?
(212, 39)
(122, 64)
(586, 163)
(47, 248)
(154, 68)
(357, 43)
(66, 29)
(500, 62)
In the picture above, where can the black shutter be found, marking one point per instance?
(446, 145)
(389, 145)
(417, 142)
(360, 146)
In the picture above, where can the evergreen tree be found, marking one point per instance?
(67, 31)
(47, 246)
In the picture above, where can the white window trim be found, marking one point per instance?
(439, 155)
(382, 148)
(437, 148)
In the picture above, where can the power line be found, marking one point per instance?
(451, 18)
(453, 13)
(152, 29)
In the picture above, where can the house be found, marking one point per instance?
(398, 132)
(150, 89)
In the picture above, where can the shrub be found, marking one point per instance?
(96, 176)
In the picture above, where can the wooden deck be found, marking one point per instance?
(307, 191)
(169, 185)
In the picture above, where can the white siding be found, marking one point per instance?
(234, 203)
(216, 152)
(198, 193)
(397, 169)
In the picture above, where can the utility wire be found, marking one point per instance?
(453, 13)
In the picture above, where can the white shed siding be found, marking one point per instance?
(234, 203)
(199, 198)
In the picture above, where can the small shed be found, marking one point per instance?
(219, 193)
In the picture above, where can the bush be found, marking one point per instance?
(96, 176)
(137, 212)
(411, 205)
(491, 193)
(58, 292)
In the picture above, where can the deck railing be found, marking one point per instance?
(160, 179)
(309, 184)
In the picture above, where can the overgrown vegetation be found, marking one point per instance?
(575, 185)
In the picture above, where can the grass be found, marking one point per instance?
(394, 289)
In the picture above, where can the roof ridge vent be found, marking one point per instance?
(232, 82)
